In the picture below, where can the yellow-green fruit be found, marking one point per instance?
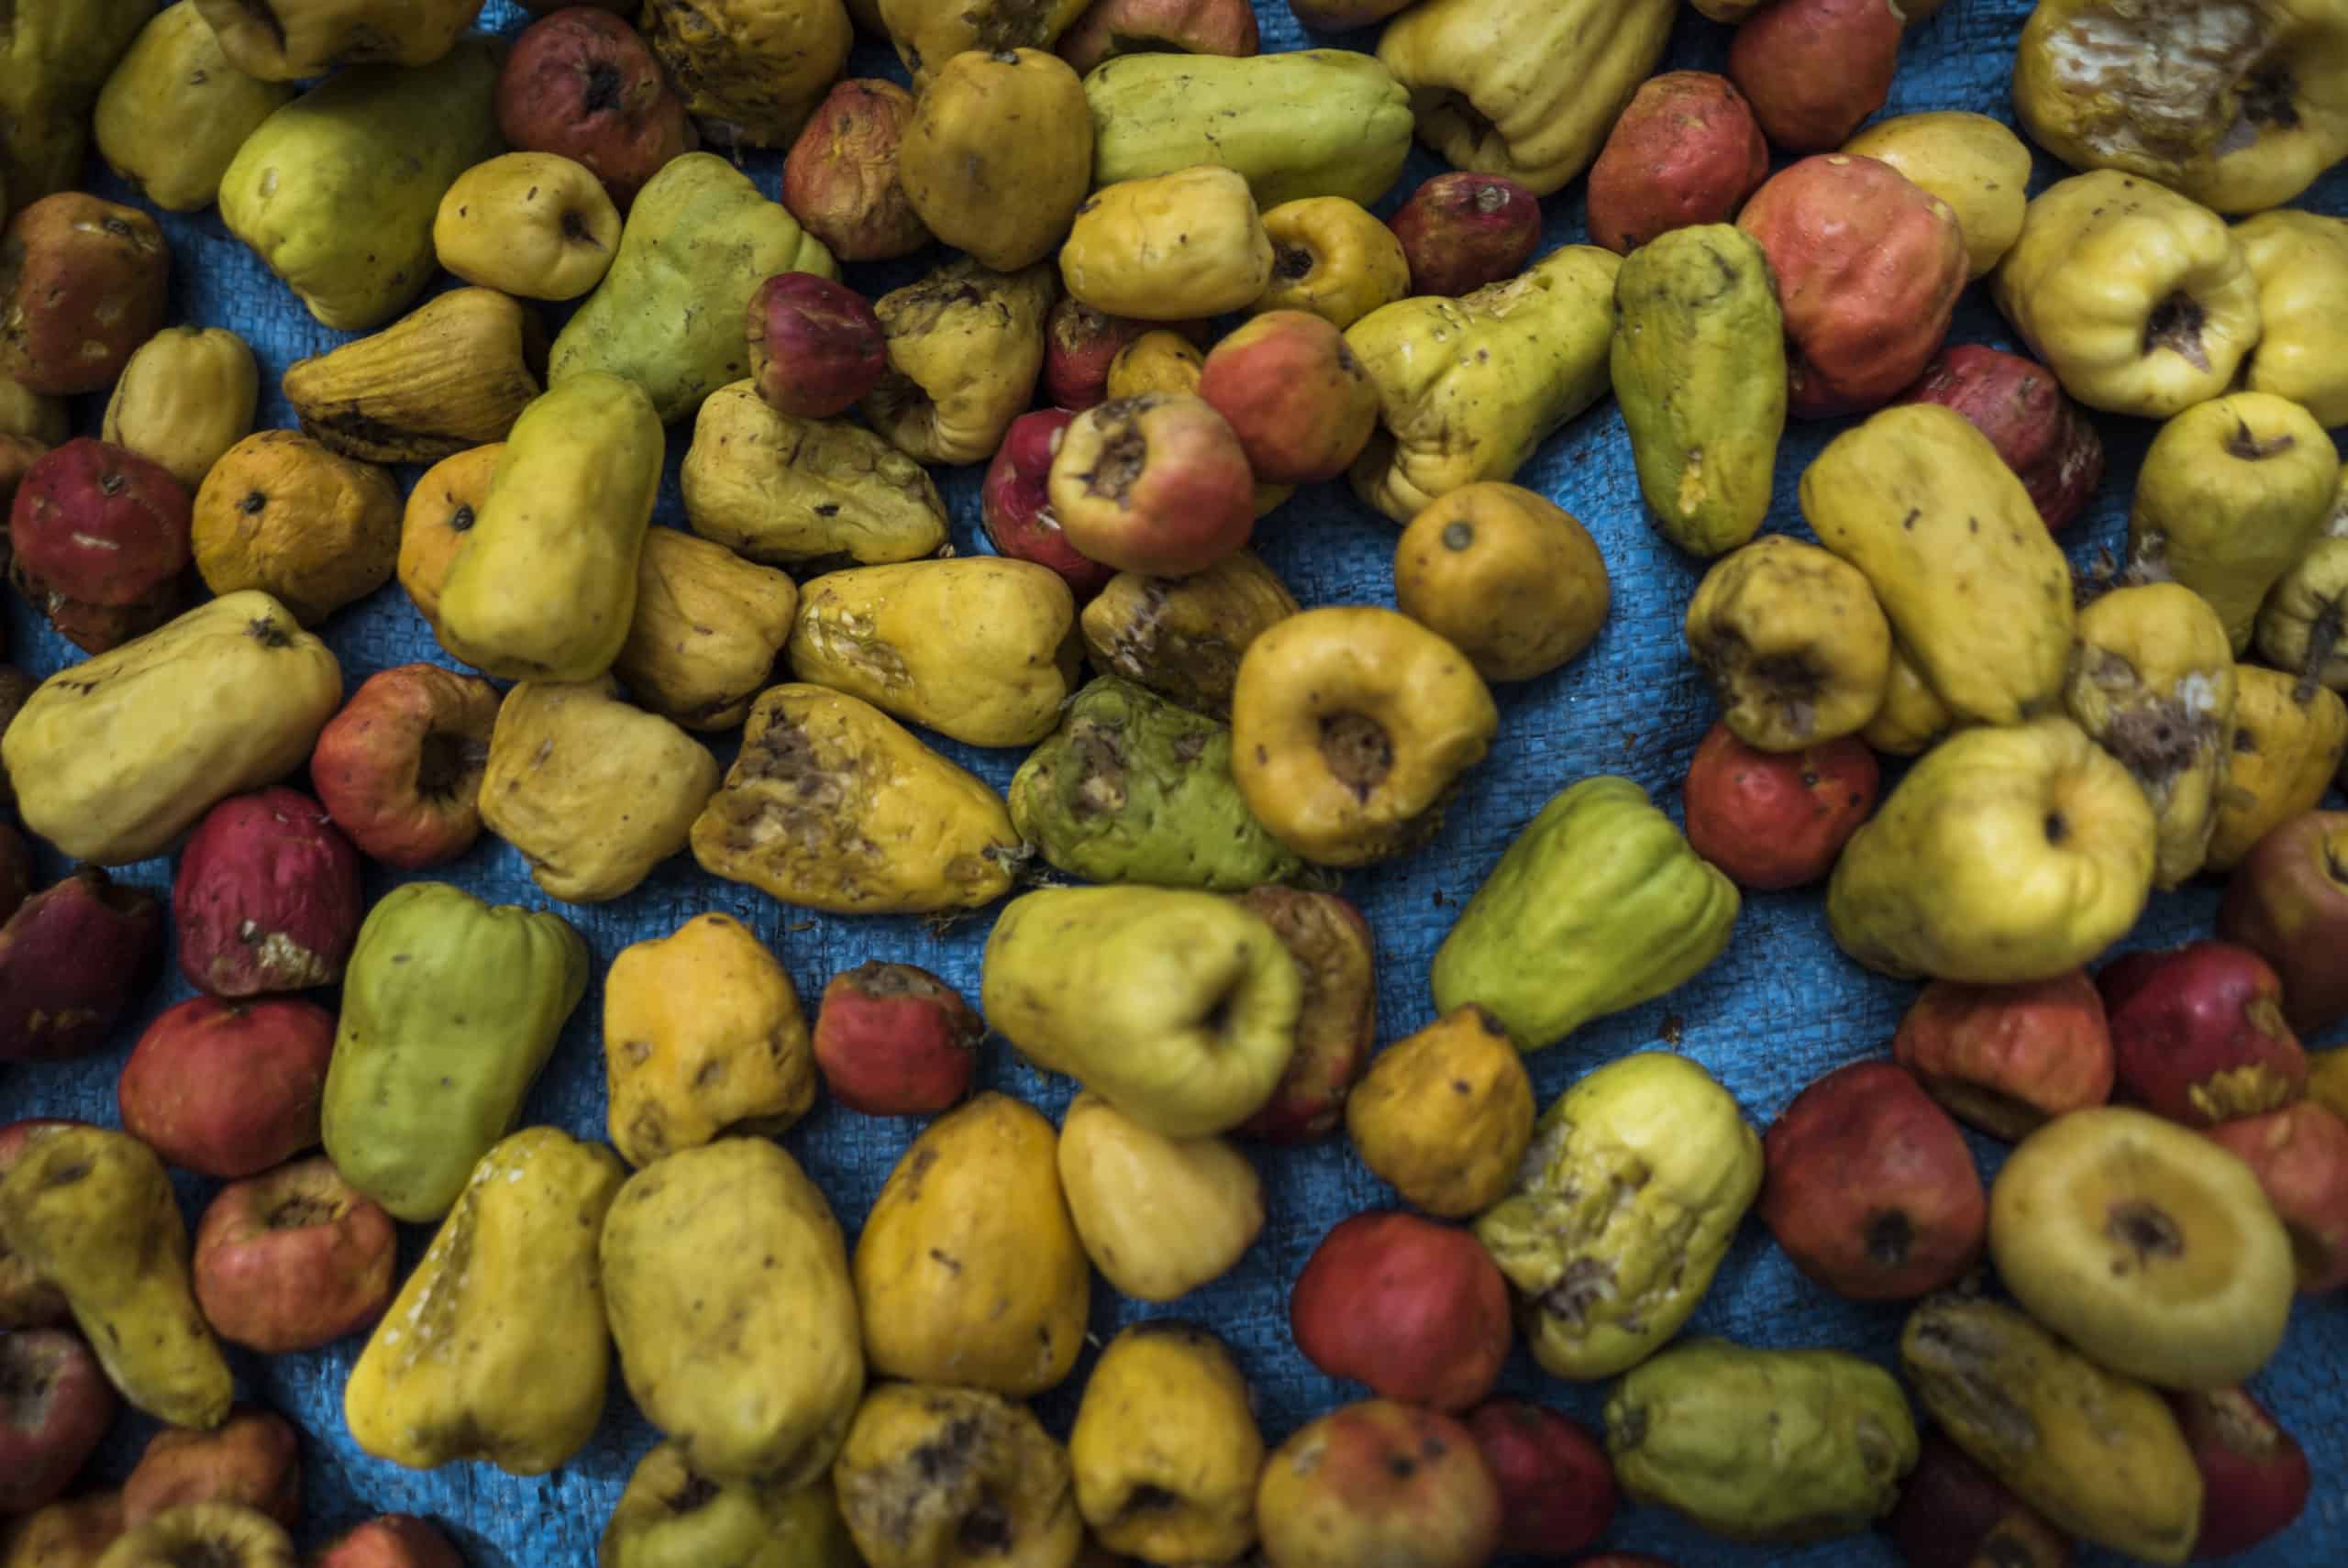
(979, 648)
(1977, 591)
(284, 40)
(2145, 1244)
(1177, 1008)
(1789, 1445)
(2139, 300)
(2303, 625)
(706, 630)
(1168, 247)
(192, 1532)
(1699, 367)
(998, 153)
(831, 804)
(1971, 161)
(703, 1037)
(2300, 260)
(725, 1278)
(2152, 684)
(965, 344)
(700, 239)
(1793, 643)
(533, 224)
(114, 757)
(1468, 387)
(173, 112)
(2098, 1453)
(929, 1469)
(795, 492)
(928, 33)
(2289, 735)
(495, 1349)
(1159, 1216)
(967, 1270)
(186, 397)
(1296, 123)
(673, 1517)
(2008, 855)
(336, 191)
(592, 792)
(2233, 492)
(54, 55)
(1165, 1449)
(91, 1212)
(1913, 715)
(1626, 1203)
(1524, 88)
(566, 514)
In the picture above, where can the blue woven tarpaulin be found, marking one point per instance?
(1780, 1009)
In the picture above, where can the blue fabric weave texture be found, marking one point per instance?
(1780, 1009)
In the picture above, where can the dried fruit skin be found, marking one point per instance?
(840, 179)
(1972, 162)
(670, 1515)
(1412, 1308)
(965, 347)
(229, 1089)
(752, 71)
(1226, 28)
(584, 84)
(1793, 643)
(1292, 392)
(83, 283)
(1156, 483)
(1131, 251)
(2289, 741)
(1685, 152)
(1336, 1012)
(1331, 257)
(1183, 637)
(101, 538)
(286, 40)
(2199, 1034)
(1014, 503)
(928, 1467)
(707, 627)
(793, 491)
(998, 154)
(250, 1460)
(184, 399)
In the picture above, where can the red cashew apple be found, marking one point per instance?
(2198, 1033)
(584, 84)
(1292, 391)
(1868, 1187)
(1951, 1513)
(102, 543)
(1813, 70)
(841, 180)
(390, 1541)
(267, 897)
(1777, 820)
(74, 958)
(2299, 1155)
(893, 1040)
(1336, 1023)
(399, 769)
(1461, 231)
(1111, 27)
(2007, 1059)
(1015, 507)
(816, 346)
(55, 1407)
(1378, 1482)
(293, 1260)
(1079, 344)
(2287, 901)
(1416, 1310)
(2043, 436)
(226, 1089)
(1557, 1487)
(1156, 483)
(83, 283)
(252, 1460)
(1685, 151)
(2255, 1475)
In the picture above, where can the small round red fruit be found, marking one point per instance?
(1777, 820)
(893, 1040)
(1416, 1310)
(1556, 1486)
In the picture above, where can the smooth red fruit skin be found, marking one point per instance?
(1951, 1513)
(267, 898)
(893, 1040)
(1290, 389)
(2299, 1155)
(293, 1259)
(816, 346)
(2007, 1059)
(2287, 901)
(392, 1541)
(74, 958)
(583, 84)
(2254, 1476)
(1685, 151)
(1017, 512)
(100, 524)
(1336, 1023)
(1461, 231)
(229, 1089)
(26, 1301)
(1557, 1487)
(1416, 1310)
(253, 1460)
(2043, 436)
(2198, 1033)
(1868, 1187)
(55, 1407)
(399, 769)
(1078, 343)
(1814, 69)
(1777, 820)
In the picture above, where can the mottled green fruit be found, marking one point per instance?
(1700, 368)
(669, 315)
(1788, 1445)
(337, 190)
(1598, 906)
(671, 1517)
(449, 1008)
(1625, 1204)
(1133, 789)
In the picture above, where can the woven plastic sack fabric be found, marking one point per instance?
(1781, 1007)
